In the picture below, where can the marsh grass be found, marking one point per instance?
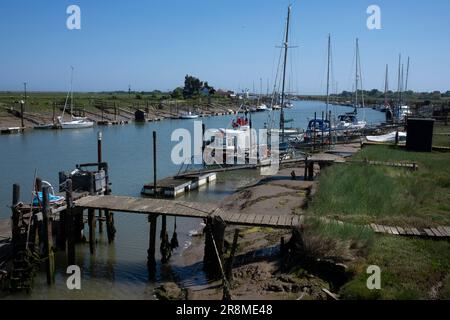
(410, 269)
(371, 194)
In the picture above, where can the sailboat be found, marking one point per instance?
(349, 121)
(75, 122)
(403, 110)
(261, 107)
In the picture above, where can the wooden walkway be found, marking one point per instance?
(184, 209)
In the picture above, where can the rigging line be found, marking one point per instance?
(350, 83)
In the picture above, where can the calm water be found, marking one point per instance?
(119, 270)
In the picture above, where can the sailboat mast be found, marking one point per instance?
(386, 86)
(356, 75)
(407, 75)
(286, 46)
(328, 72)
(71, 93)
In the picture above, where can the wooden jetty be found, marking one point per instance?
(173, 208)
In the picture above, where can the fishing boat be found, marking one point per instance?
(75, 122)
(189, 115)
(237, 141)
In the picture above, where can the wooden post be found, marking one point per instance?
(15, 231)
(151, 260)
(311, 171)
(154, 164)
(203, 144)
(70, 230)
(230, 261)
(21, 113)
(48, 239)
(91, 222)
(100, 160)
(109, 216)
(214, 240)
(314, 137)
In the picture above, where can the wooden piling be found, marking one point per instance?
(230, 261)
(48, 239)
(100, 160)
(154, 162)
(151, 260)
(91, 222)
(109, 216)
(70, 230)
(15, 217)
(214, 242)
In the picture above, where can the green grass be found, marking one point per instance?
(410, 269)
(441, 140)
(369, 194)
(42, 102)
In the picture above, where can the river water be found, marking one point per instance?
(119, 271)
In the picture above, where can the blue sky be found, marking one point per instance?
(153, 44)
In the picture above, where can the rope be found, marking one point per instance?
(226, 284)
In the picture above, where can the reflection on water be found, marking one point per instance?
(119, 271)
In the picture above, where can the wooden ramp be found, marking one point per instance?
(184, 209)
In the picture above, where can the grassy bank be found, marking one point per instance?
(359, 194)
(367, 194)
(42, 102)
(410, 269)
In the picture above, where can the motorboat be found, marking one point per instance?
(189, 115)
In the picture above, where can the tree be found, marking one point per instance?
(177, 93)
(192, 87)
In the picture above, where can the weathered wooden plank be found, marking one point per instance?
(282, 221)
(429, 232)
(415, 232)
(401, 231)
(444, 232)
(274, 220)
(266, 220)
(436, 232)
(395, 231)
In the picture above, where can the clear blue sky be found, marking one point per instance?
(153, 44)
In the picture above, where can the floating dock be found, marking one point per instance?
(13, 130)
(173, 187)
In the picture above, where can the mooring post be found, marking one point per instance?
(15, 231)
(70, 230)
(203, 144)
(99, 160)
(151, 260)
(48, 239)
(21, 113)
(109, 216)
(230, 261)
(91, 216)
(214, 241)
(154, 164)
